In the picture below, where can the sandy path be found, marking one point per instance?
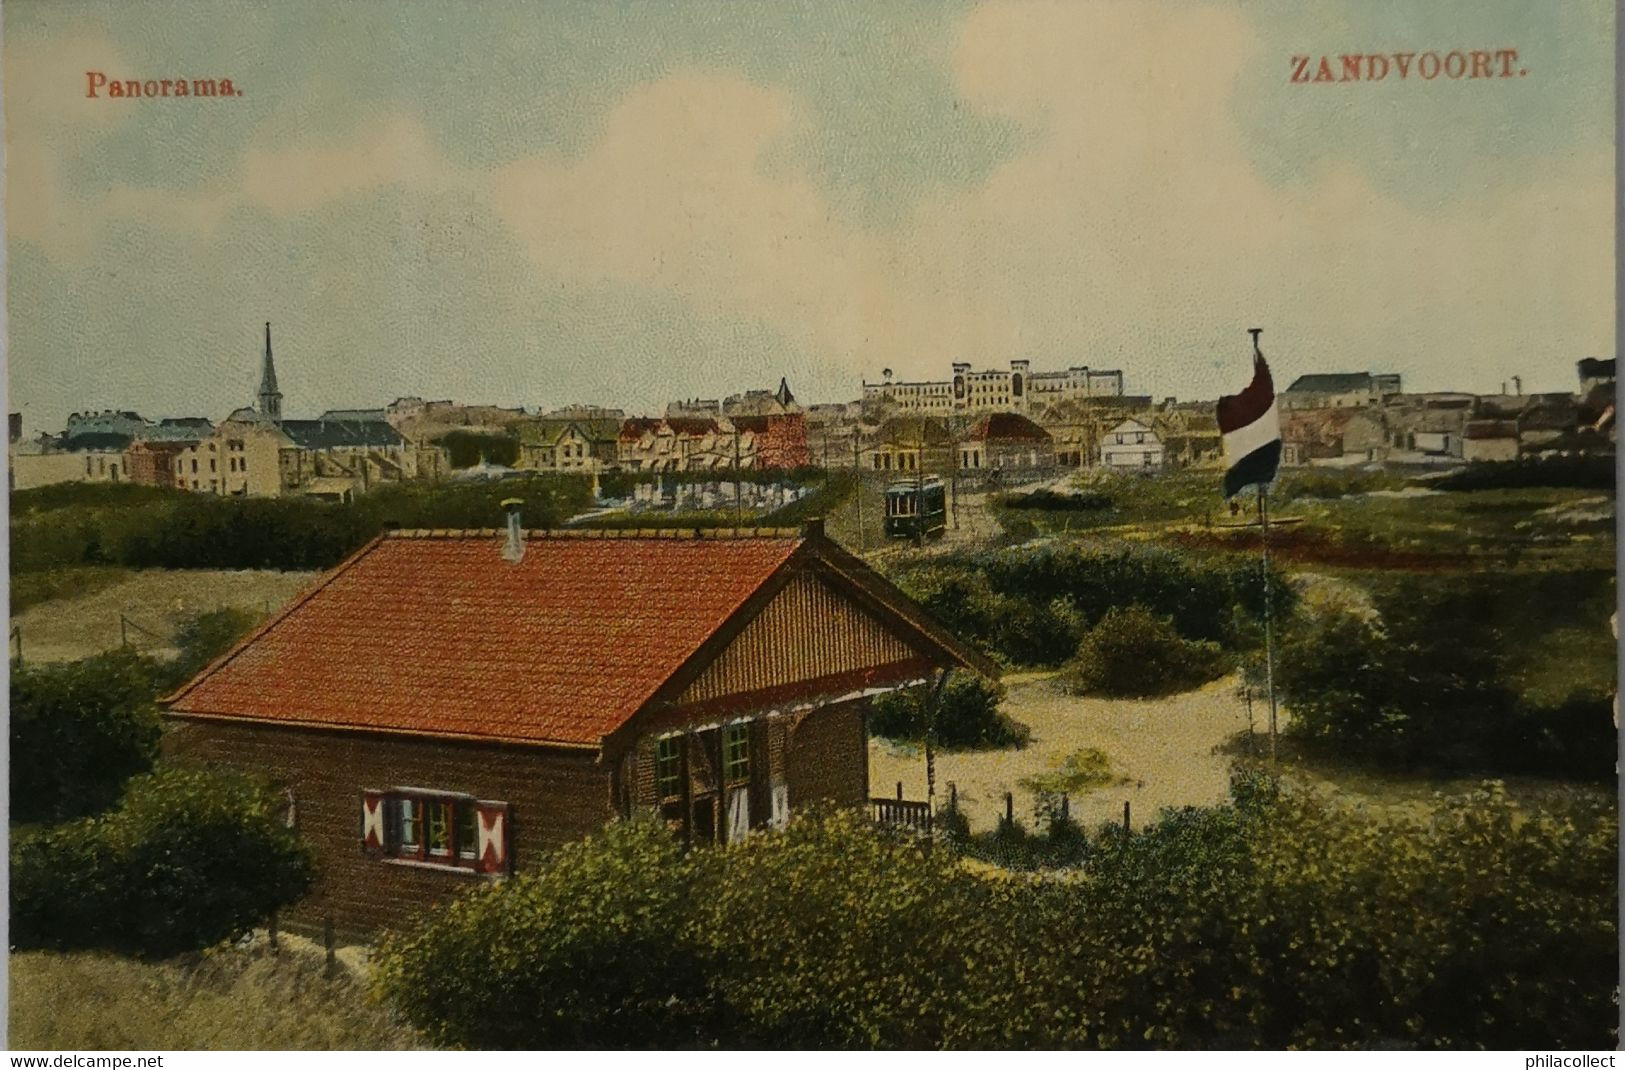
(156, 600)
(1165, 747)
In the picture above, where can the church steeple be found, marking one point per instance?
(270, 396)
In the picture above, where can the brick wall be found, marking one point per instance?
(827, 758)
(556, 796)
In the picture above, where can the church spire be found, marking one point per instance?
(270, 396)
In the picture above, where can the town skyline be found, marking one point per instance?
(688, 201)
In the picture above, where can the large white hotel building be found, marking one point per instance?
(1017, 390)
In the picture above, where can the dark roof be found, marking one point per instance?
(185, 421)
(913, 431)
(1330, 383)
(326, 434)
(102, 441)
(1594, 368)
(1482, 429)
(1007, 427)
(436, 633)
(634, 428)
(767, 422)
(355, 415)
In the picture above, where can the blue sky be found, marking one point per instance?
(543, 203)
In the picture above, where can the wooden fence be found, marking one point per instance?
(901, 813)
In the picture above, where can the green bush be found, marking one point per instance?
(880, 950)
(1584, 471)
(1056, 500)
(187, 859)
(1274, 921)
(465, 449)
(596, 948)
(202, 637)
(1131, 653)
(967, 715)
(79, 730)
(1031, 605)
(190, 530)
(1430, 682)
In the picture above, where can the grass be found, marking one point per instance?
(1412, 794)
(81, 620)
(227, 998)
(35, 588)
(1083, 770)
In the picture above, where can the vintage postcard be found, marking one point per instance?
(808, 524)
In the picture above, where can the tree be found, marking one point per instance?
(967, 715)
(188, 859)
(79, 730)
(1132, 653)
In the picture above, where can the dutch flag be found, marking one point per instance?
(1251, 427)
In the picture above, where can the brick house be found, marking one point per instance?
(780, 438)
(445, 706)
(1006, 440)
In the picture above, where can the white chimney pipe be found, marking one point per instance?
(514, 549)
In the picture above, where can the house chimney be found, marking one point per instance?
(514, 548)
(1517, 384)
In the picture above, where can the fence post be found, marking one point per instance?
(327, 942)
(899, 791)
(1066, 807)
(1010, 807)
(1125, 815)
(953, 796)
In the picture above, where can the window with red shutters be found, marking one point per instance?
(435, 828)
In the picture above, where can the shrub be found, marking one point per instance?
(1274, 921)
(188, 530)
(1131, 653)
(967, 715)
(1030, 605)
(881, 949)
(1584, 471)
(1057, 500)
(79, 730)
(187, 860)
(596, 948)
(205, 636)
(1430, 683)
(465, 449)
(1082, 771)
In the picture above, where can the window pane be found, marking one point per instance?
(439, 836)
(409, 817)
(468, 833)
(669, 767)
(736, 752)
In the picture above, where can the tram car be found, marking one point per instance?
(916, 508)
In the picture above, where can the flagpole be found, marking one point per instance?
(1269, 608)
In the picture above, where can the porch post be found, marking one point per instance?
(930, 750)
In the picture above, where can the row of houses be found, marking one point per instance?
(1148, 441)
(1446, 429)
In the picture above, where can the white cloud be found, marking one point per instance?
(1129, 230)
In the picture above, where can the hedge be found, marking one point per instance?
(79, 730)
(187, 860)
(1032, 605)
(1275, 921)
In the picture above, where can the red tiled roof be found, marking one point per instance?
(436, 633)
